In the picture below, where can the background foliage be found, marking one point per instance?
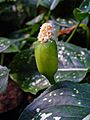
(20, 22)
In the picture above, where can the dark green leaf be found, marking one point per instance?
(80, 15)
(65, 100)
(3, 78)
(74, 62)
(25, 73)
(54, 4)
(51, 4)
(85, 6)
(45, 3)
(83, 11)
(12, 48)
(4, 44)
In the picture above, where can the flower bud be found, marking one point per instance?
(46, 54)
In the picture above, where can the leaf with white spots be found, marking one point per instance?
(63, 101)
(73, 62)
(4, 44)
(24, 72)
(3, 78)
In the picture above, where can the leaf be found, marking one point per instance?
(3, 78)
(12, 48)
(65, 100)
(83, 11)
(25, 73)
(85, 5)
(87, 117)
(4, 44)
(48, 3)
(44, 3)
(79, 15)
(36, 19)
(74, 62)
(54, 4)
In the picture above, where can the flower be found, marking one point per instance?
(47, 32)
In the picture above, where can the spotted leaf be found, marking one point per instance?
(25, 73)
(3, 78)
(73, 62)
(4, 44)
(63, 101)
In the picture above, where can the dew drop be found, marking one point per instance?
(61, 93)
(56, 118)
(44, 99)
(38, 110)
(50, 100)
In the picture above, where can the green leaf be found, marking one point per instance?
(36, 19)
(74, 62)
(80, 15)
(3, 78)
(83, 11)
(12, 48)
(64, 100)
(12, 45)
(4, 43)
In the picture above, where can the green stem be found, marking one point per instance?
(51, 80)
(73, 32)
(2, 58)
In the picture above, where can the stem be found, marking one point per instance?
(2, 58)
(51, 80)
(73, 32)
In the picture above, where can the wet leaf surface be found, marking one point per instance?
(64, 100)
(73, 62)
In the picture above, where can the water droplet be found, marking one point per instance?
(63, 48)
(85, 6)
(61, 93)
(79, 102)
(38, 110)
(33, 84)
(50, 100)
(1, 74)
(73, 95)
(74, 77)
(50, 94)
(68, 54)
(82, 53)
(76, 90)
(44, 99)
(44, 116)
(54, 94)
(57, 118)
